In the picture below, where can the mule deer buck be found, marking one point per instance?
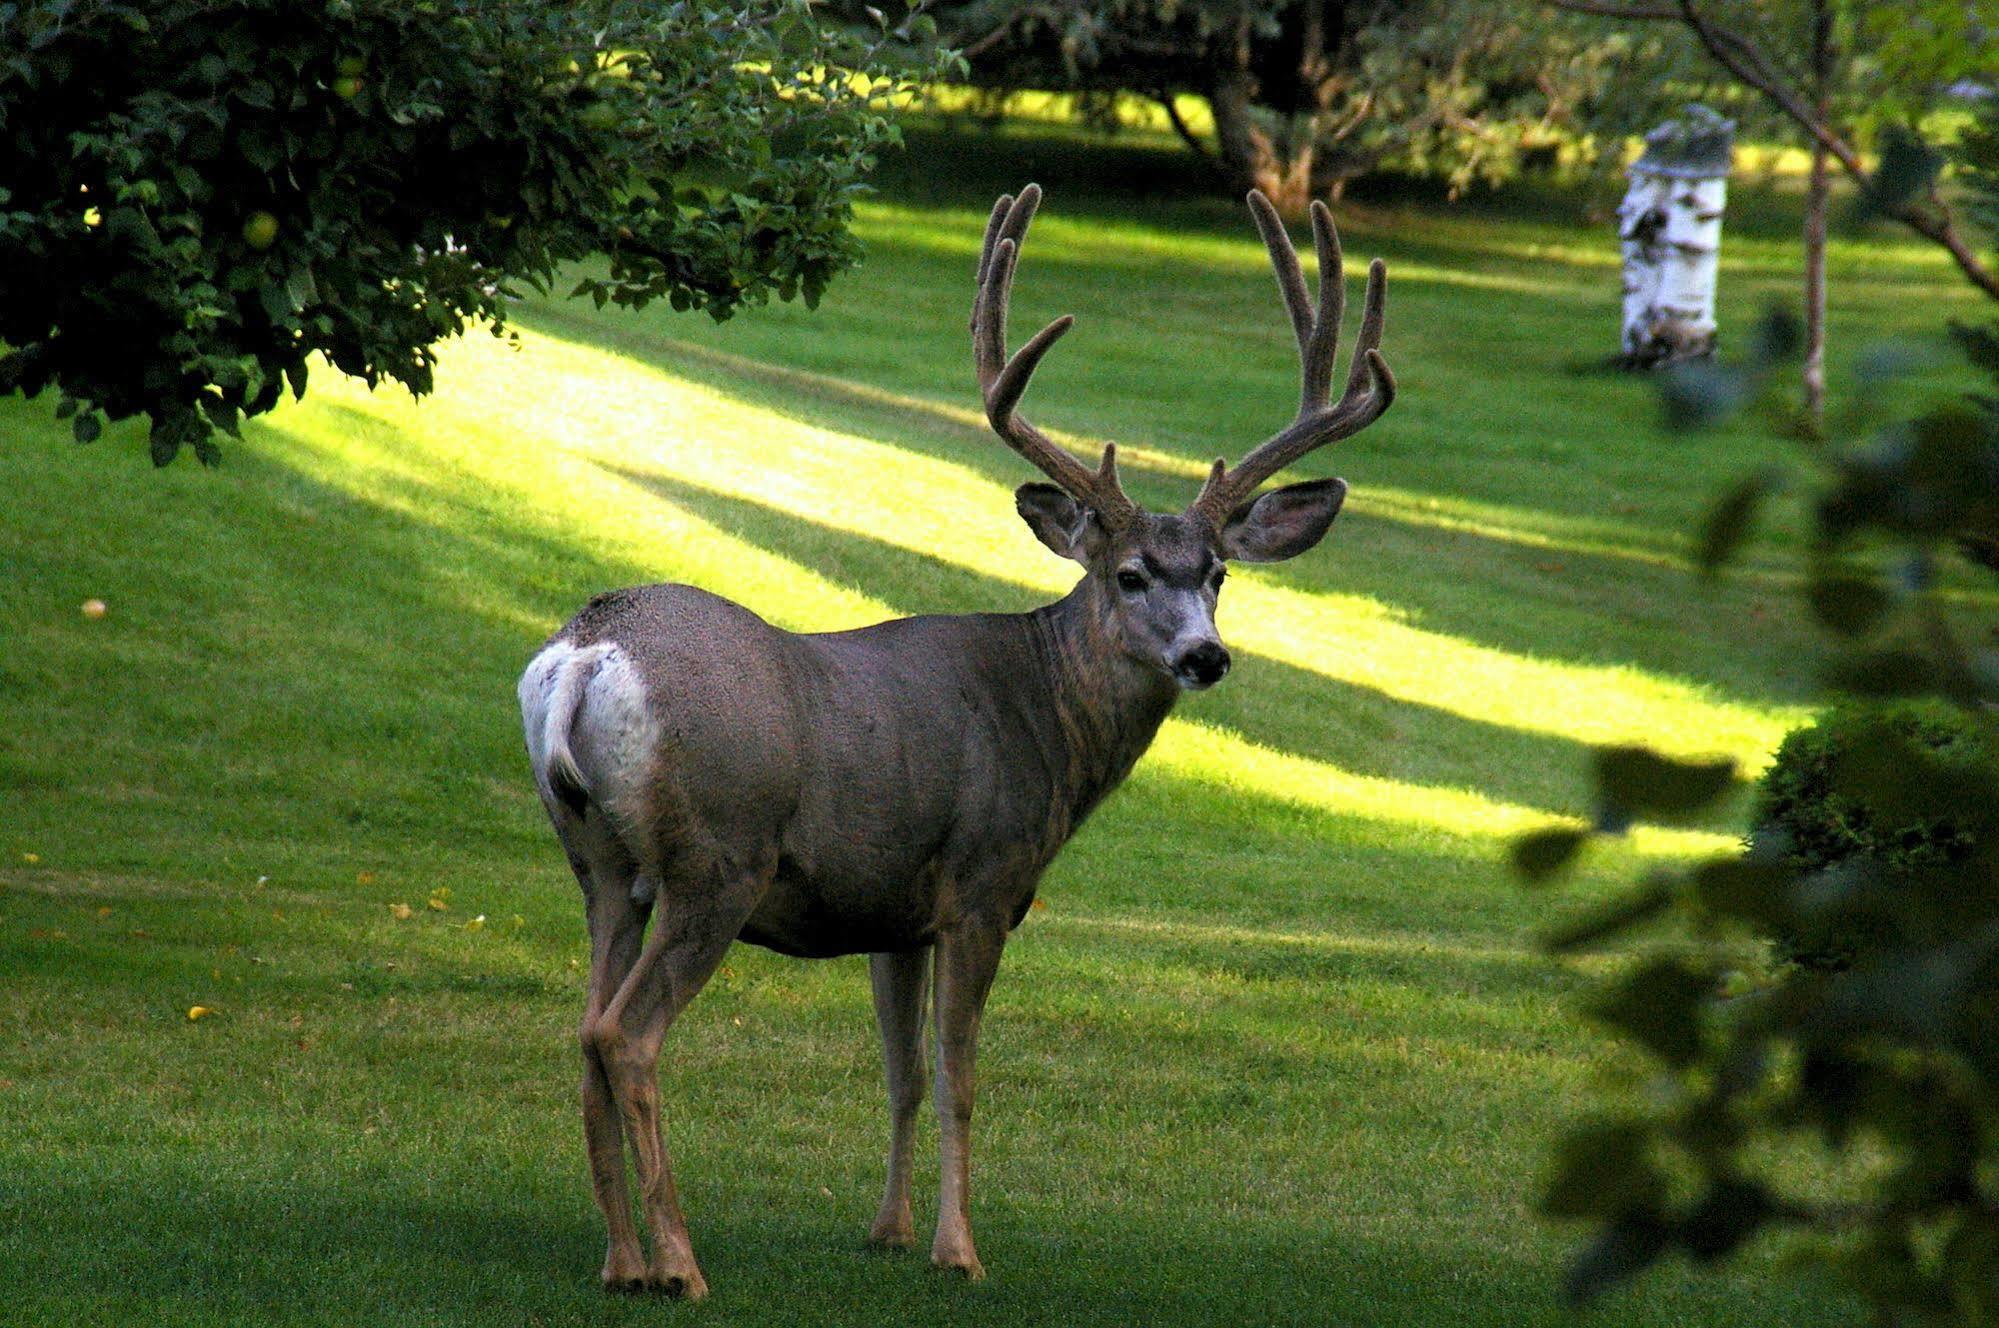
(894, 791)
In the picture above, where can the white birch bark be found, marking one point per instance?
(1670, 227)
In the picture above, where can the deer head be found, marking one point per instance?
(1157, 576)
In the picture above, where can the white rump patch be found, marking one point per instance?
(585, 715)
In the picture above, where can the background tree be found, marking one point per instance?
(1305, 93)
(198, 198)
(1844, 74)
(1877, 1048)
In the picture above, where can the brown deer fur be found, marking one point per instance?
(896, 790)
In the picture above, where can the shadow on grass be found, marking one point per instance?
(1621, 594)
(306, 1252)
(525, 573)
(1272, 704)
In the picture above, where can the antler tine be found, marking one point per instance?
(1001, 209)
(1373, 320)
(1284, 262)
(1003, 380)
(1370, 387)
(1316, 368)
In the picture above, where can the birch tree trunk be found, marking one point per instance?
(1816, 194)
(1670, 226)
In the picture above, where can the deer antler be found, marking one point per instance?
(1003, 381)
(1370, 387)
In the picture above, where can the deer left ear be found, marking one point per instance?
(1058, 521)
(1282, 523)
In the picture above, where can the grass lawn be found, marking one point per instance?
(1278, 1050)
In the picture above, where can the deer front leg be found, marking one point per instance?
(966, 961)
(900, 979)
(689, 939)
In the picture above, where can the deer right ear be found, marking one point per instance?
(1059, 521)
(1282, 523)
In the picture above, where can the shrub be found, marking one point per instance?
(1818, 807)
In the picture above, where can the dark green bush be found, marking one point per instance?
(1820, 806)
(197, 198)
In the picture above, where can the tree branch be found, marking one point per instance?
(1186, 131)
(1611, 9)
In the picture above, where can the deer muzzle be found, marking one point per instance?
(1204, 665)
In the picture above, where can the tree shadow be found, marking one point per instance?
(1272, 704)
(1607, 595)
(312, 1250)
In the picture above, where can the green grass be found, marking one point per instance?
(1278, 1050)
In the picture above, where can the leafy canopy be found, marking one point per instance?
(198, 198)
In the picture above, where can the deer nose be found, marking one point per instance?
(1203, 666)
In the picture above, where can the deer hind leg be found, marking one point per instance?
(901, 980)
(967, 958)
(691, 932)
(617, 928)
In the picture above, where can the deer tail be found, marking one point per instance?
(551, 692)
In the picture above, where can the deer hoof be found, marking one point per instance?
(679, 1286)
(964, 1262)
(624, 1274)
(684, 1284)
(893, 1232)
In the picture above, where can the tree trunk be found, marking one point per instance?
(1251, 156)
(1815, 229)
(1670, 227)
(1815, 223)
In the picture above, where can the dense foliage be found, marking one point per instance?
(198, 198)
(1888, 1066)
(1307, 93)
(1816, 813)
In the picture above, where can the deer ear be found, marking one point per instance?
(1058, 521)
(1282, 523)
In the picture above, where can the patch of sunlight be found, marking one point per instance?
(1216, 756)
(1126, 111)
(365, 449)
(554, 424)
(1103, 242)
(1403, 944)
(583, 502)
(593, 404)
(1511, 525)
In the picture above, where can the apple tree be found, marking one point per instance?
(198, 199)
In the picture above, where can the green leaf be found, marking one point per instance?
(1604, 1169)
(1846, 601)
(1746, 890)
(1658, 1006)
(163, 446)
(1540, 854)
(1728, 522)
(1608, 919)
(1644, 783)
(1909, 166)
(1699, 394)
(1624, 1249)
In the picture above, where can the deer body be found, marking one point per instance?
(899, 789)
(869, 774)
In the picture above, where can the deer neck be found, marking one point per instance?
(1106, 704)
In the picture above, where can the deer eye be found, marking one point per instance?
(1130, 582)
